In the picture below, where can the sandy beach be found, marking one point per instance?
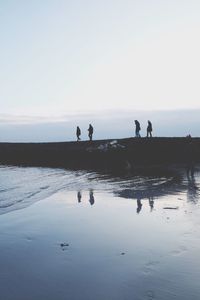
(94, 243)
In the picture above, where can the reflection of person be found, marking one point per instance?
(78, 133)
(151, 203)
(192, 192)
(137, 128)
(190, 156)
(149, 129)
(91, 200)
(90, 132)
(139, 205)
(79, 196)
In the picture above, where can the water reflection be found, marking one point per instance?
(16, 192)
(151, 203)
(139, 206)
(91, 200)
(152, 188)
(79, 196)
(91, 197)
(192, 189)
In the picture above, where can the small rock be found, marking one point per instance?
(64, 245)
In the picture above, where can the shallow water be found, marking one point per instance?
(21, 187)
(77, 235)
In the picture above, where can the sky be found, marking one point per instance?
(61, 59)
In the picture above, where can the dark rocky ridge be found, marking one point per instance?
(103, 154)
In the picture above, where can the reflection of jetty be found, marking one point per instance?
(153, 188)
(102, 154)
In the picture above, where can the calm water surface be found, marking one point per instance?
(79, 235)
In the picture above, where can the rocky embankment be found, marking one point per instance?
(103, 154)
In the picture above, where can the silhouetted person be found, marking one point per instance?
(137, 128)
(91, 200)
(79, 196)
(139, 205)
(90, 132)
(149, 129)
(78, 133)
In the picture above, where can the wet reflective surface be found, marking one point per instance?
(21, 187)
(98, 237)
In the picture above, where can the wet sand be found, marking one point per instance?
(90, 244)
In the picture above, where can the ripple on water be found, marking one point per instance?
(21, 186)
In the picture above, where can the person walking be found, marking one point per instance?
(78, 133)
(149, 129)
(137, 129)
(90, 132)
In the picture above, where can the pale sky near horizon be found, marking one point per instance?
(60, 56)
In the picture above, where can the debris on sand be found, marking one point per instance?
(104, 147)
(168, 207)
(64, 246)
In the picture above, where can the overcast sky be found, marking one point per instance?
(60, 56)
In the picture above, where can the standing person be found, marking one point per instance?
(78, 133)
(90, 132)
(137, 129)
(149, 129)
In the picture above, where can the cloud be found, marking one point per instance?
(11, 119)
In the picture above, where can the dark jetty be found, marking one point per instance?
(119, 154)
